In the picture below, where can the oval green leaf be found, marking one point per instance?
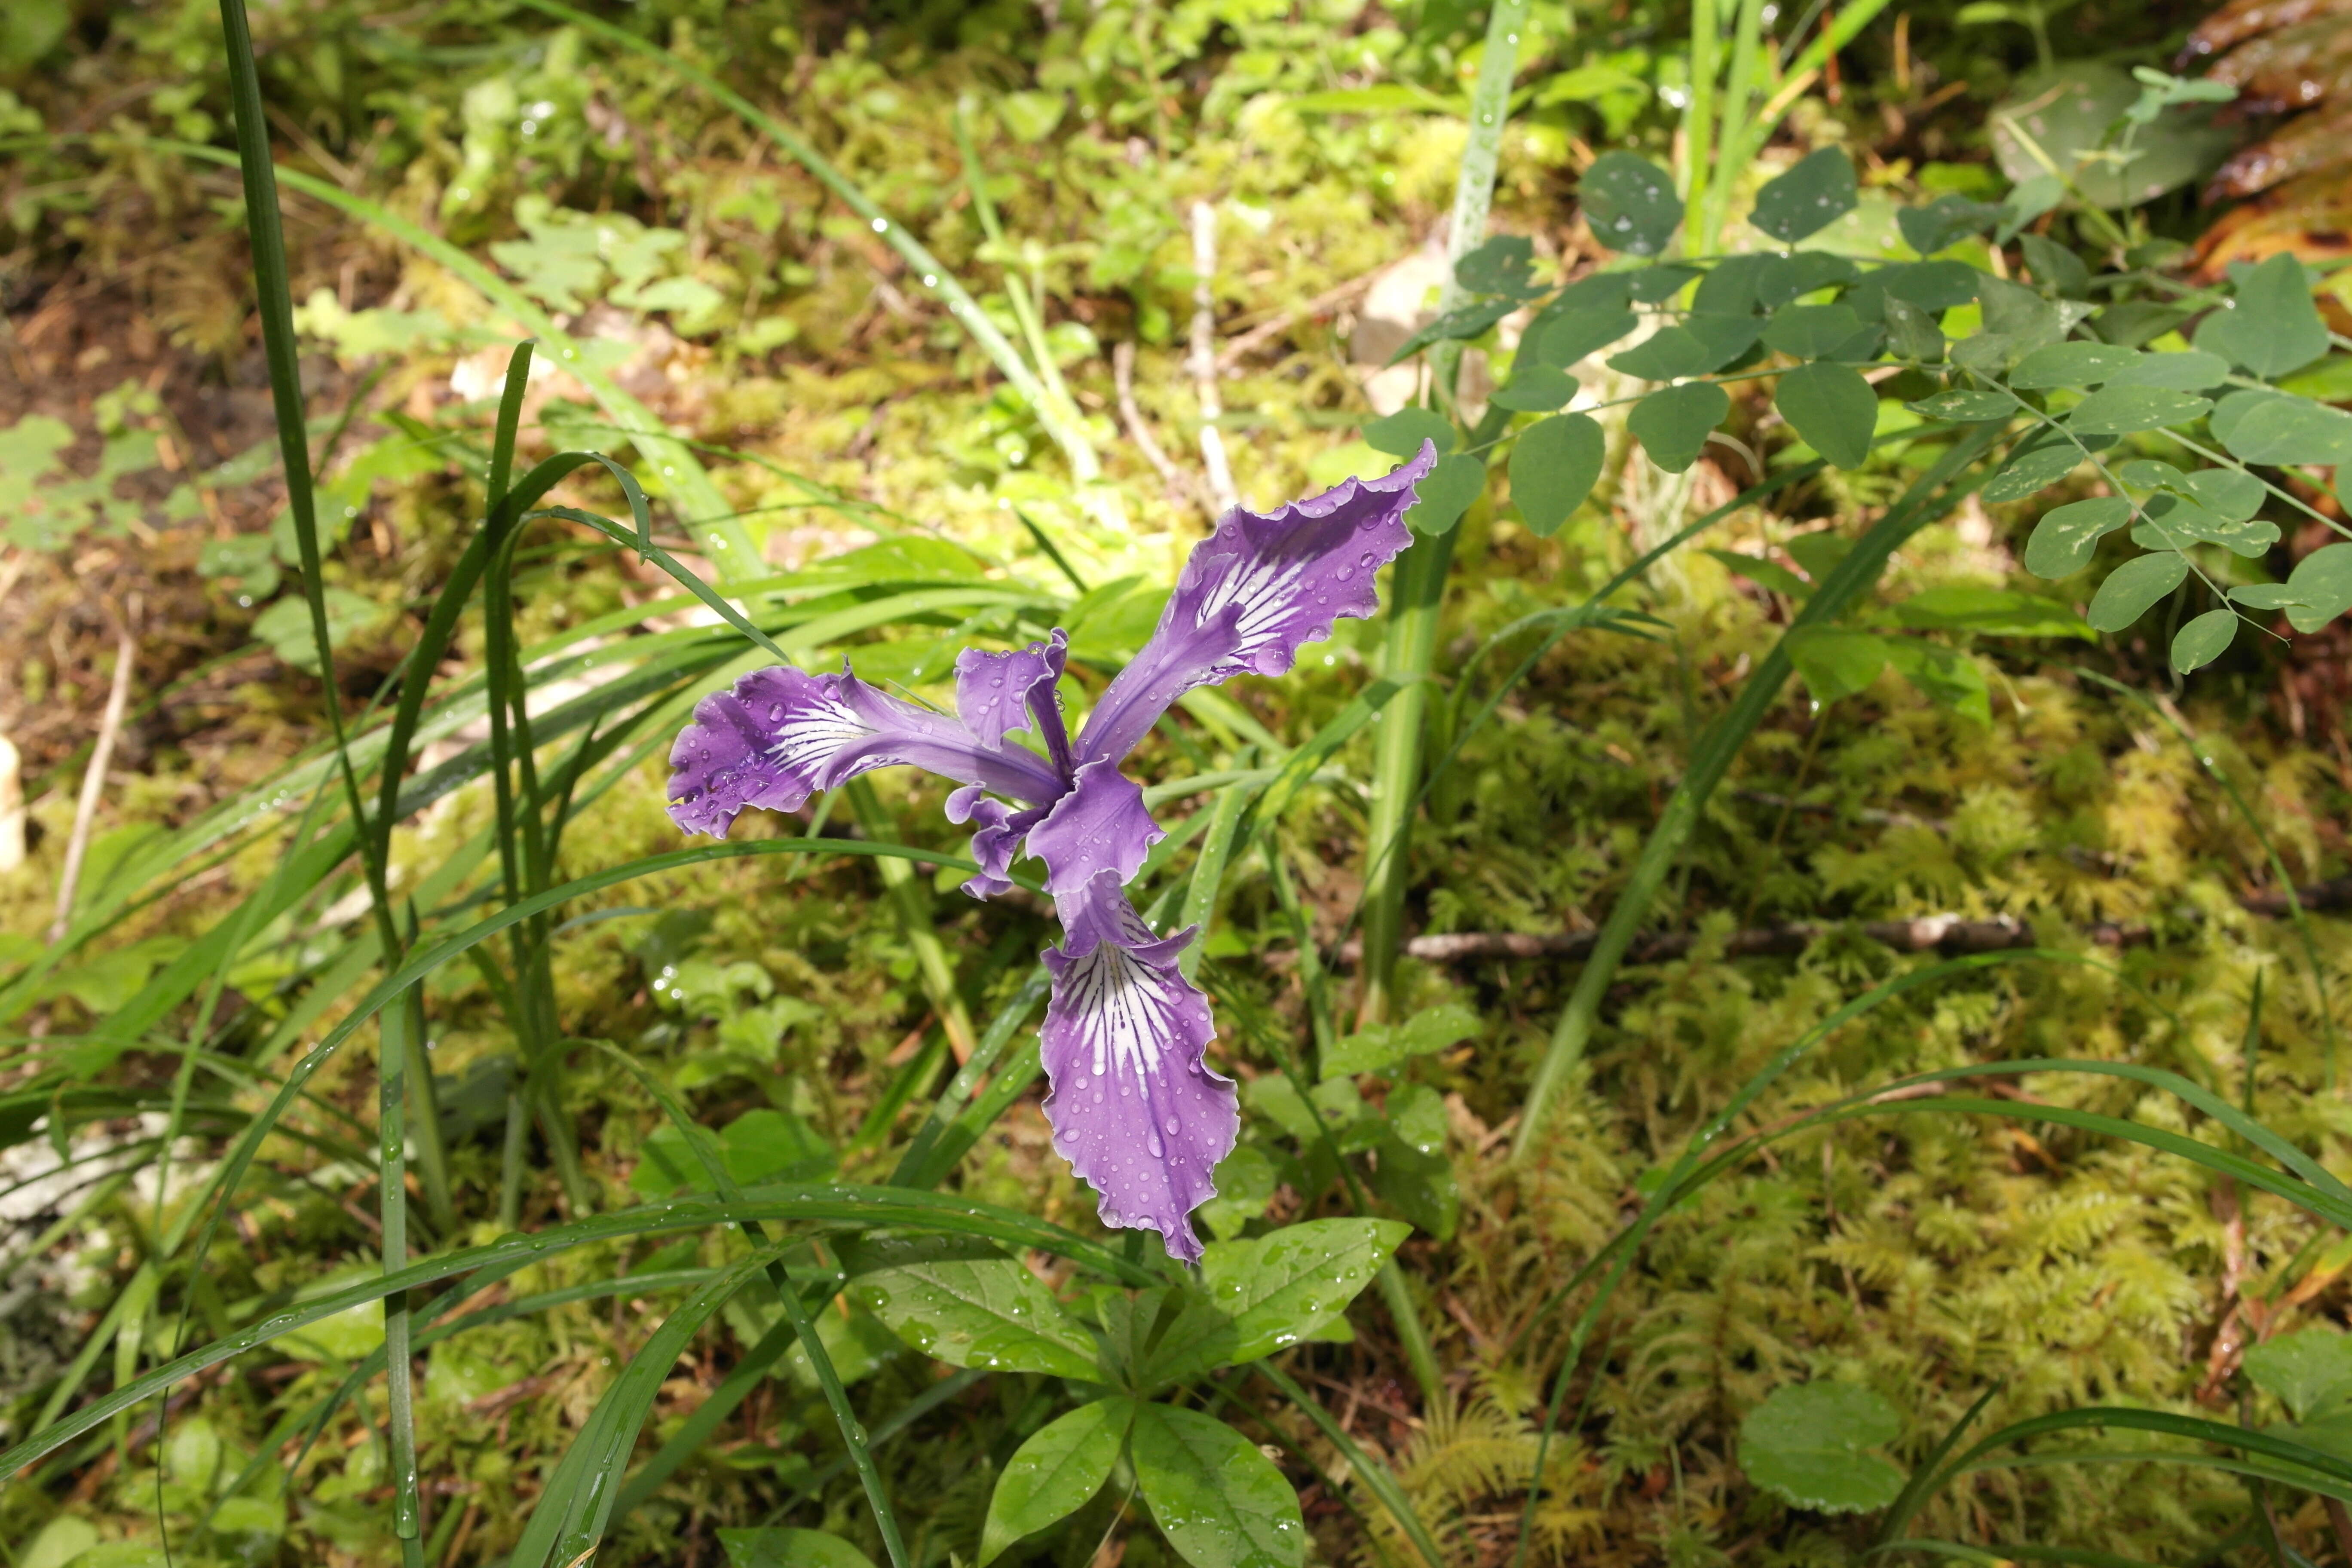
(1573, 335)
(1665, 355)
(2271, 327)
(2067, 537)
(1056, 1473)
(1805, 1444)
(1966, 408)
(2270, 427)
(2030, 471)
(1833, 408)
(1446, 494)
(2204, 641)
(2070, 364)
(1536, 389)
(988, 1312)
(1219, 1500)
(2133, 587)
(1630, 203)
(1810, 197)
(2120, 410)
(1812, 332)
(2191, 369)
(1673, 425)
(1554, 465)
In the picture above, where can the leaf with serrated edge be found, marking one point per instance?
(1219, 1500)
(1056, 1473)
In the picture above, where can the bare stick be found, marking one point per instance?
(93, 781)
(1122, 370)
(1204, 356)
(11, 806)
(1265, 332)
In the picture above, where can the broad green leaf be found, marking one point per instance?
(2270, 427)
(1260, 1295)
(2074, 363)
(1380, 1047)
(1554, 465)
(285, 624)
(2054, 268)
(1446, 493)
(1812, 332)
(1946, 676)
(1722, 335)
(2308, 1370)
(1673, 425)
(1997, 612)
(1666, 355)
(1032, 116)
(2169, 522)
(2271, 327)
(2061, 119)
(1786, 278)
(1245, 1182)
(1765, 574)
(2227, 493)
(2030, 472)
(1966, 408)
(1594, 292)
(2149, 474)
(2120, 410)
(988, 1312)
(1814, 194)
(770, 1547)
(1729, 287)
(1934, 285)
(61, 1541)
(1573, 336)
(2133, 587)
(2323, 581)
(1804, 1444)
(1498, 266)
(1911, 332)
(2191, 369)
(2204, 639)
(1945, 222)
(1836, 661)
(1536, 389)
(1219, 1500)
(758, 1146)
(2016, 317)
(1652, 285)
(1401, 434)
(1056, 1473)
(1630, 203)
(1833, 408)
(1412, 1173)
(2067, 537)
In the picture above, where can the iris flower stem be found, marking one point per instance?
(1417, 589)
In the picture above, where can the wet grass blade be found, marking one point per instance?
(1378, 1479)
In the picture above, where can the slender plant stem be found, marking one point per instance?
(1698, 123)
(1927, 500)
(1417, 586)
(916, 920)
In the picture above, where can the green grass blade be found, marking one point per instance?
(926, 1162)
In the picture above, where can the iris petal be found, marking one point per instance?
(1135, 1109)
(1102, 824)
(780, 734)
(1000, 693)
(1255, 593)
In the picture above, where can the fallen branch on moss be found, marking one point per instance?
(1948, 935)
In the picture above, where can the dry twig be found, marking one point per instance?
(93, 781)
(1204, 356)
(1122, 370)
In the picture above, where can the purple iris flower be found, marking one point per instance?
(1134, 1107)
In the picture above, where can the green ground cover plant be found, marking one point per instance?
(1664, 1112)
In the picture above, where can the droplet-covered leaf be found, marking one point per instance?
(1554, 465)
(1833, 408)
(1262, 1295)
(1500, 266)
(1380, 1047)
(1814, 194)
(1056, 1473)
(1805, 1443)
(1219, 1500)
(1672, 425)
(988, 1312)
(1630, 203)
(2133, 587)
